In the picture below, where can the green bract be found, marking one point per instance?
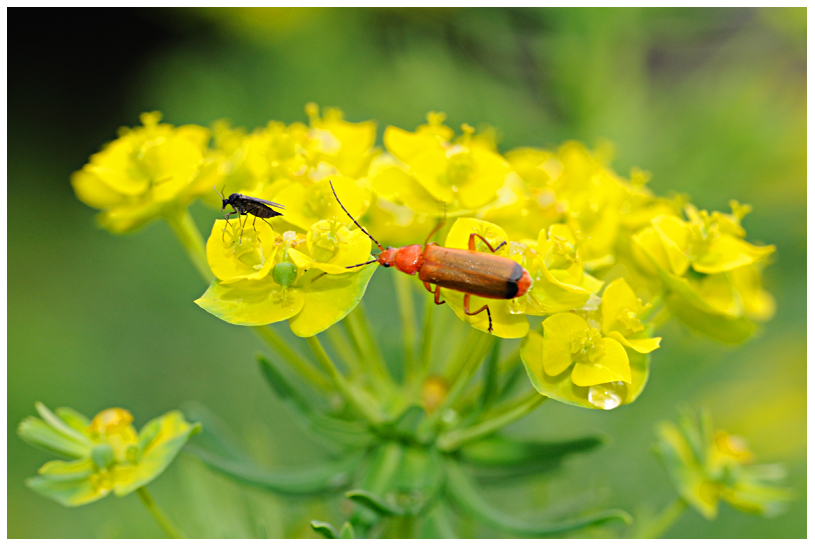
(108, 455)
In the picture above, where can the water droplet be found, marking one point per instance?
(607, 396)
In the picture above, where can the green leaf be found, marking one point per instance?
(317, 479)
(489, 390)
(60, 426)
(73, 419)
(346, 433)
(405, 426)
(37, 433)
(324, 529)
(437, 523)
(374, 502)
(500, 458)
(70, 493)
(462, 492)
(216, 436)
(347, 531)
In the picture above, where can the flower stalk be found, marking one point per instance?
(163, 520)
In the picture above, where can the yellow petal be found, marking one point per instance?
(618, 298)
(727, 253)
(504, 323)
(93, 191)
(405, 145)
(459, 235)
(640, 345)
(559, 331)
(675, 236)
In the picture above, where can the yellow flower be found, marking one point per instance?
(146, 170)
(109, 456)
(622, 313)
(603, 374)
(556, 266)
(506, 323)
(465, 174)
(569, 340)
(264, 277)
(709, 271)
(706, 467)
(293, 164)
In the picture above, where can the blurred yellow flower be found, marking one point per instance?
(142, 173)
(108, 454)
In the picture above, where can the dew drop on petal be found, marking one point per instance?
(607, 396)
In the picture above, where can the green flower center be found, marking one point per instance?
(459, 169)
(588, 346)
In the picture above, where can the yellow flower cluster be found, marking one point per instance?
(607, 258)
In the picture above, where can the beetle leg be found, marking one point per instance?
(436, 293)
(433, 231)
(471, 245)
(482, 308)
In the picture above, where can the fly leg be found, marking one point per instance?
(471, 245)
(482, 308)
(226, 218)
(240, 237)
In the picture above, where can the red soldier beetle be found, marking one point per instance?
(471, 272)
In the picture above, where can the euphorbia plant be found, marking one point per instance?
(610, 263)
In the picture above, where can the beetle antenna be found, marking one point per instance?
(355, 222)
(363, 264)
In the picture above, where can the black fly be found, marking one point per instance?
(247, 205)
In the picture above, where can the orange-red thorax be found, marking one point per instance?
(407, 259)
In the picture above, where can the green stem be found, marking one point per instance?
(407, 314)
(504, 415)
(190, 237)
(470, 356)
(359, 399)
(660, 524)
(162, 519)
(656, 306)
(427, 346)
(339, 341)
(360, 332)
(298, 362)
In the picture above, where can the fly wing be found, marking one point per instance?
(253, 207)
(264, 202)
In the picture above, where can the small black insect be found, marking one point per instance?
(247, 205)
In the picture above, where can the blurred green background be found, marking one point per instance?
(711, 101)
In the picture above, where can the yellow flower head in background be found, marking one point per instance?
(146, 170)
(107, 454)
(706, 467)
